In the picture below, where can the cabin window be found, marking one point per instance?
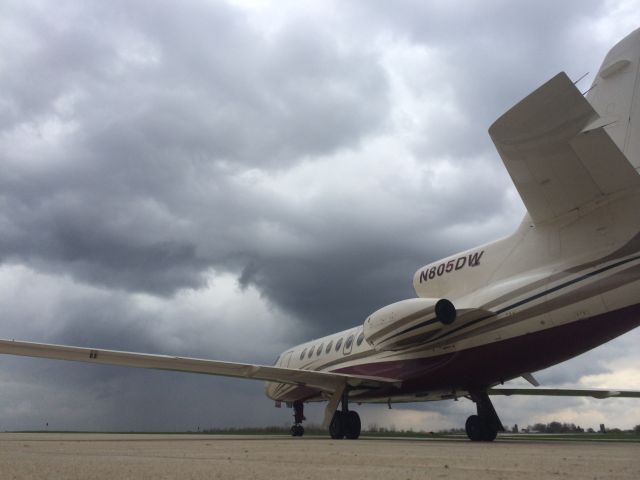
(311, 352)
(302, 354)
(348, 343)
(338, 344)
(320, 349)
(329, 345)
(360, 339)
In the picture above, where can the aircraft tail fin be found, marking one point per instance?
(615, 95)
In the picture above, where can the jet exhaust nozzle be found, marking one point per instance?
(445, 311)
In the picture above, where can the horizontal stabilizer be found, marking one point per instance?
(557, 154)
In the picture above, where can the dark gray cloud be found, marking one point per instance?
(490, 54)
(220, 181)
(145, 114)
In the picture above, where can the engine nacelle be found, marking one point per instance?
(408, 322)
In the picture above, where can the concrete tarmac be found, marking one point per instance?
(115, 456)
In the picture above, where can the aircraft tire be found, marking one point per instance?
(479, 430)
(352, 425)
(473, 427)
(489, 433)
(336, 427)
(297, 430)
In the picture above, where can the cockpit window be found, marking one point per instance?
(329, 345)
(320, 349)
(311, 352)
(302, 354)
(338, 344)
(360, 339)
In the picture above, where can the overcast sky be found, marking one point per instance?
(227, 179)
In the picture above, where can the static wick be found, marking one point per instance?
(581, 78)
(589, 89)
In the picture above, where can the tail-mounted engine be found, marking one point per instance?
(409, 322)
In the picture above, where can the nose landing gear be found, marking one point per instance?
(297, 430)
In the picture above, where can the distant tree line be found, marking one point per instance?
(555, 427)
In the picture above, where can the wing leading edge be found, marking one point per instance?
(561, 392)
(324, 381)
(332, 383)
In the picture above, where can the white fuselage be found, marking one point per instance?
(539, 278)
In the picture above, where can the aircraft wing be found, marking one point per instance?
(557, 155)
(325, 381)
(561, 392)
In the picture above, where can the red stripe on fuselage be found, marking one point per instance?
(480, 367)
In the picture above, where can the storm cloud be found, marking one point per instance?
(225, 179)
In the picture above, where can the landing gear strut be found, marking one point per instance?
(345, 423)
(297, 430)
(484, 426)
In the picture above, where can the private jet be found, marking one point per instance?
(565, 282)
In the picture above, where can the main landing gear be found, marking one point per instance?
(297, 430)
(345, 423)
(484, 426)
